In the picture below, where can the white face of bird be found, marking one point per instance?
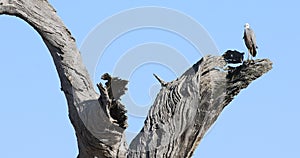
(247, 26)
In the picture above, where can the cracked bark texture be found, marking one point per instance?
(185, 108)
(181, 114)
(96, 135)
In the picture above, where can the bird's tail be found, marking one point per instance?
(254, 51)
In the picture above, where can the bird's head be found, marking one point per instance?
(247, 26)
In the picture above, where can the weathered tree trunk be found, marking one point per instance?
(184, 109)
(96, 135)
(182, 112)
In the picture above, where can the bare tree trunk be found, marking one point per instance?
(185, 108)
(182, 112)
(96, 135)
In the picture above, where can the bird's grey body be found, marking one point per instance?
(250, 40)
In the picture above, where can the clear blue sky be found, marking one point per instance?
(262, 121)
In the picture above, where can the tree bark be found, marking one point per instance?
(181, 114)
(184, 109)
(96, 135)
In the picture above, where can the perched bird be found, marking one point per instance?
(250, 40)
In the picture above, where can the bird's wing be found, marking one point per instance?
(252, 37)
(245, 34)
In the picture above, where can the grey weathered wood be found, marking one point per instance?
(96, 134)
(185, 109)
(182, 112)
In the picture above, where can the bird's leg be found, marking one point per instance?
(248, 55)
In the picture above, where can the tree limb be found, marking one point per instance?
(185, 109)
(96, 135)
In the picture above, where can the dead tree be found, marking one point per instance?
(181, 114)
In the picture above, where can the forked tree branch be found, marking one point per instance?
(182, 112)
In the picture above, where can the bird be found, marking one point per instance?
(250, 40)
